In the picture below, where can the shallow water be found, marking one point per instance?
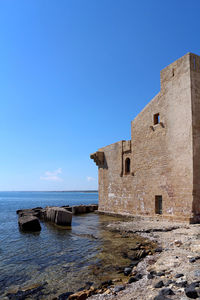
(64, 258)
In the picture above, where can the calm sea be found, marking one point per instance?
(58, 259)
(53, 255)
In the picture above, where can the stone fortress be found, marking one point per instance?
(157, 172)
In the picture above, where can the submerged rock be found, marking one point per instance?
(64, 296)
(118, 288)
(127, 271)
(32, 291)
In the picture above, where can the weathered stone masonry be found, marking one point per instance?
(157, 172)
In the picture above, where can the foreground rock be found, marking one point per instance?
(173, 272)
(58, 215)
(29, 223)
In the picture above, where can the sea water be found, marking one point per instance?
(62, 259)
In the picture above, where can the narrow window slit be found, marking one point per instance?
(127, 166)
(156, 119)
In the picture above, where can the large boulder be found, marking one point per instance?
(82, 209)
(29, 223)
(58, 215)
(30, 211)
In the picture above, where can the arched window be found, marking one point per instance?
(127, 165)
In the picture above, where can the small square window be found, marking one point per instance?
(156, 119)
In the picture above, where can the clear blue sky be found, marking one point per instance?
(74, 73)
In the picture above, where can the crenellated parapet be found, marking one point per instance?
(98, 158)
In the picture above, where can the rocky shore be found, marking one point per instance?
(163, 264)
(172, 272)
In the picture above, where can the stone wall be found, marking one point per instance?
(163, 155)
(195, 92)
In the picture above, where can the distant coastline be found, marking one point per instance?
(72, 191)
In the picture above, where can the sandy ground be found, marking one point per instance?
(179, 261)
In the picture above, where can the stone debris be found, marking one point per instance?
(172, 272)
(29, 223)
(28, 219)
(59, 216)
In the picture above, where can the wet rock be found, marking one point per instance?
(134, 263)
(159, 284)
(141, 254)
(89, 284)
(118, 288)
(106, 283)
(127, 271)
(59, 216)
(82, 295)
(32, 291)
(191, 292)
(64, 296)
(81, 209)
(136, 248)
(29, 223)
(135, 278)
(79, 296)
(107, 292)
(36, 212)
(179, 275)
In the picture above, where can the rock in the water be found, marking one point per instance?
(32, 292)
(64, 296)
(127, 271)
(29, 223)
(82, 295)
(119, 288)
(135, 278)
(106, 283)
(58, 215)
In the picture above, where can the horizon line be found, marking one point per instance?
(55, 191)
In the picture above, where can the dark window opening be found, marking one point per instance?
(127, 166)
(156, 119)
(158, 205)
